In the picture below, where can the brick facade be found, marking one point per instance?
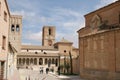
(99, 44)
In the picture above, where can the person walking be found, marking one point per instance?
(47, 69)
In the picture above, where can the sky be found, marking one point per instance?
(66, 15)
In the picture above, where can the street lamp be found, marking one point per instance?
(59, 66)
(64, 61)
(71, 62)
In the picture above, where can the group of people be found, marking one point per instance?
(47, 70)
(41, 70)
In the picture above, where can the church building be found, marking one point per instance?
(99, 44)
(49, 55)
(15, 56)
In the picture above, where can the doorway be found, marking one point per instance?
(1, 70)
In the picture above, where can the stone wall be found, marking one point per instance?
(100, 55)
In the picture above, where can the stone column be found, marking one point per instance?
(22, 62)
(37, 61)
(43, 61)
(25, 62)
(28, 61)
(32, 61)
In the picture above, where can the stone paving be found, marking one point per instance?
(35, 75)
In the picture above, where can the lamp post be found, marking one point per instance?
(71, 62)
(64, 61)
(59, 66)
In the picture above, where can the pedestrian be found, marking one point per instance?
(42, 71)
(47, 69)
(29, 78)
(59, 70)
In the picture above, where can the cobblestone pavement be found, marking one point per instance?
(35, 75)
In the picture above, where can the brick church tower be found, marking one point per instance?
(15, 31)
(48, 36)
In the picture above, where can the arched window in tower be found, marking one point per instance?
(17, 28)
(12, 27)
(49, 42)
(49, 31)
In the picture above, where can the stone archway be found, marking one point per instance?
(53, 61)
(49, 62)
(19, 61)
(40, 61)
(56, 62)
(46, 61)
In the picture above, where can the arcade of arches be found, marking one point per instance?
(36, 61)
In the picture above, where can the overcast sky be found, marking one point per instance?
(66, 15)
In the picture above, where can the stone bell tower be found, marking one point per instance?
(48, 36)
(15, 31)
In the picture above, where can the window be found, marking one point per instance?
(0, 8)
(17, 28)
(3, 42)
(12, 28)
(5, 16)
(65, 51)
(49, 31)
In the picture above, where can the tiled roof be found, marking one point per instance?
(63, 40)
(34, 47)
(38, 54)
